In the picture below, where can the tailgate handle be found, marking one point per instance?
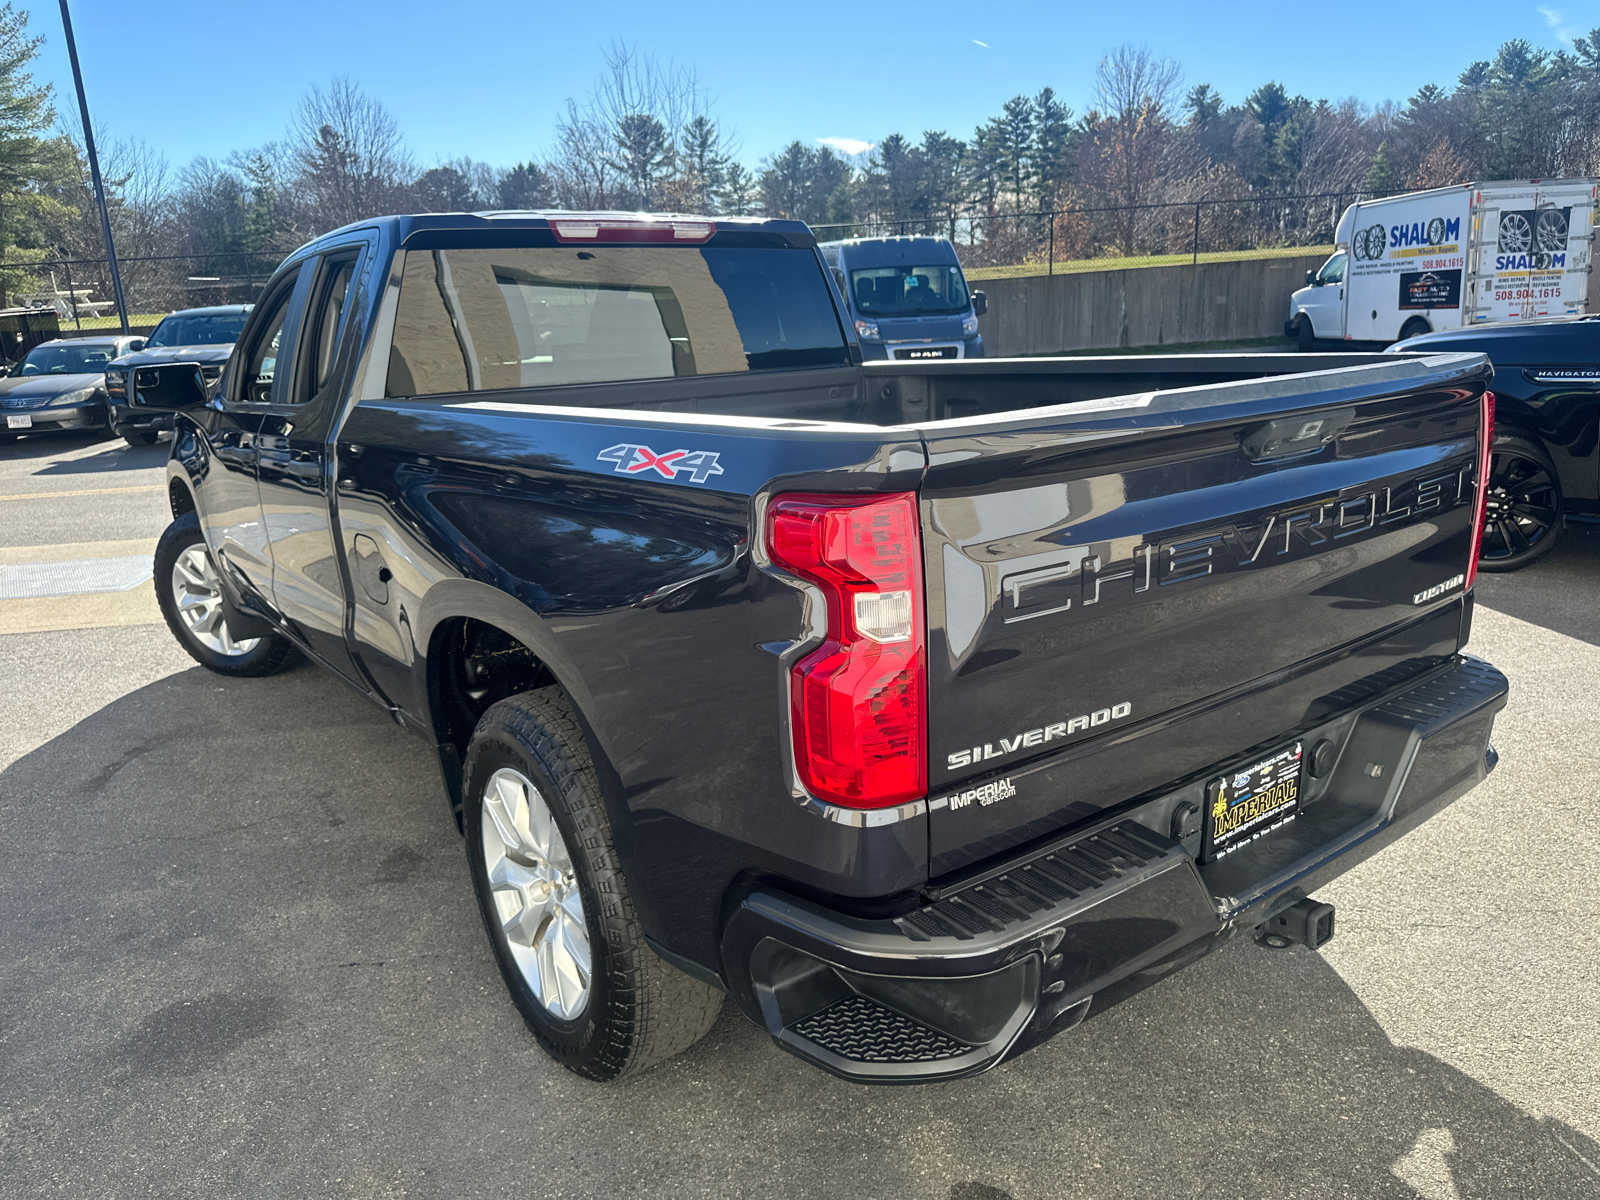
(1285, 437)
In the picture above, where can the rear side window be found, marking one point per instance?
(522, 317)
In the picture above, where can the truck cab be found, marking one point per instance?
(907, 297)
(1317, 310)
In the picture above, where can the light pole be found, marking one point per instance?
(94, 173)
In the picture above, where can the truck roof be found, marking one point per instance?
(404, 225)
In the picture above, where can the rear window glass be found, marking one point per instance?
(520, 317)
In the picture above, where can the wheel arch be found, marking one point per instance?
(482, 646)
(180, 499)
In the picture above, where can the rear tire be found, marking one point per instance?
(191, 602)
(1305, 335)
(1415, 327)
(1525, 513)
(551, 893)
(141, 437)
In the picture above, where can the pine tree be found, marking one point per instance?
(1381, 177)
(704, 164)
(1052, 147)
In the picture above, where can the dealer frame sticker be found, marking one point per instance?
(1249, 803)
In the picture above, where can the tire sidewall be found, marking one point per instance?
(1513, 441)
(572, 1043)
(179, 536)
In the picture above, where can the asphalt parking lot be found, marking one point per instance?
(241, 958)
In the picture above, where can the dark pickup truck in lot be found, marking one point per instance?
(926, 709)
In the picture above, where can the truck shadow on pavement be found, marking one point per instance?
(110, 454)
(244, 957)
(1561, 591)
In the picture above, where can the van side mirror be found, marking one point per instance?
(1311, 278)
(980, 304)
(171, 387)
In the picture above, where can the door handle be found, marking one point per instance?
(305, 470)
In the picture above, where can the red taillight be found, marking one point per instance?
(858, 702)
(1485, 445)
(602, 229)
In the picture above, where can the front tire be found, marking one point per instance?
(190, 596)
(555, 903)
(1524, 517)
(1305, 335)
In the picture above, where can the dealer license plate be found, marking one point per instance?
(1248, 804)
(23, 422)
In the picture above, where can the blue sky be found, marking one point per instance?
(487, 79)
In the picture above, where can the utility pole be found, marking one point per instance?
(94, 172)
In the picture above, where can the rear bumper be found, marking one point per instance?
(993, 964)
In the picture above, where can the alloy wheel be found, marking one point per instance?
(536, 895)
(1521, 509)
(197, 594)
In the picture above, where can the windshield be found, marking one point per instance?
(210, 329)
(67, 360)
(909, 291)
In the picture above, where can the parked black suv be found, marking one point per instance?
(1545, 472)
(197, 335)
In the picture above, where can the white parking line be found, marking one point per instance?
(73, 577)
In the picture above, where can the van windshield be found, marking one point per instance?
(908, 291)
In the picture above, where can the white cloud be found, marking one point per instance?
(848, 145)
(1557, 20)
(976, 42)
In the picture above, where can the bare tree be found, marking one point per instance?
(352, 160)
(1128, 128)
(633, 136)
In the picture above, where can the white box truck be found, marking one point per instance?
(1439, 259)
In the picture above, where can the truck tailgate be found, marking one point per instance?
(1123, 594)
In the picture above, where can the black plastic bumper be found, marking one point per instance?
(995, 963)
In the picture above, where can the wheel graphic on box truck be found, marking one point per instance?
(1552, 231)
(1435, 231)
(1515, 235)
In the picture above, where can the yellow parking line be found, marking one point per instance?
(66, 551)
(47, 613)
(146, 487)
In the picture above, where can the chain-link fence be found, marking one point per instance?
(79, 290)
(994, 245)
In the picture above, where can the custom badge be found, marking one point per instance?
(696, 466)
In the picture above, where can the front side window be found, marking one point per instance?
(1332, 271)
(908, 291)
(519, 317)
(260, 361)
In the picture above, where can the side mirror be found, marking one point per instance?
(1311, 279)
(171, 387)
(980, 304)
(136, 345)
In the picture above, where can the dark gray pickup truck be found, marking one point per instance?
(926, 709)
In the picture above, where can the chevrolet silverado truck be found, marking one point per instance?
(926, 709)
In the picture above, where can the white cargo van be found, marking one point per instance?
(1449, 257)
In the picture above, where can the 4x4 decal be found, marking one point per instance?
(698, 465)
